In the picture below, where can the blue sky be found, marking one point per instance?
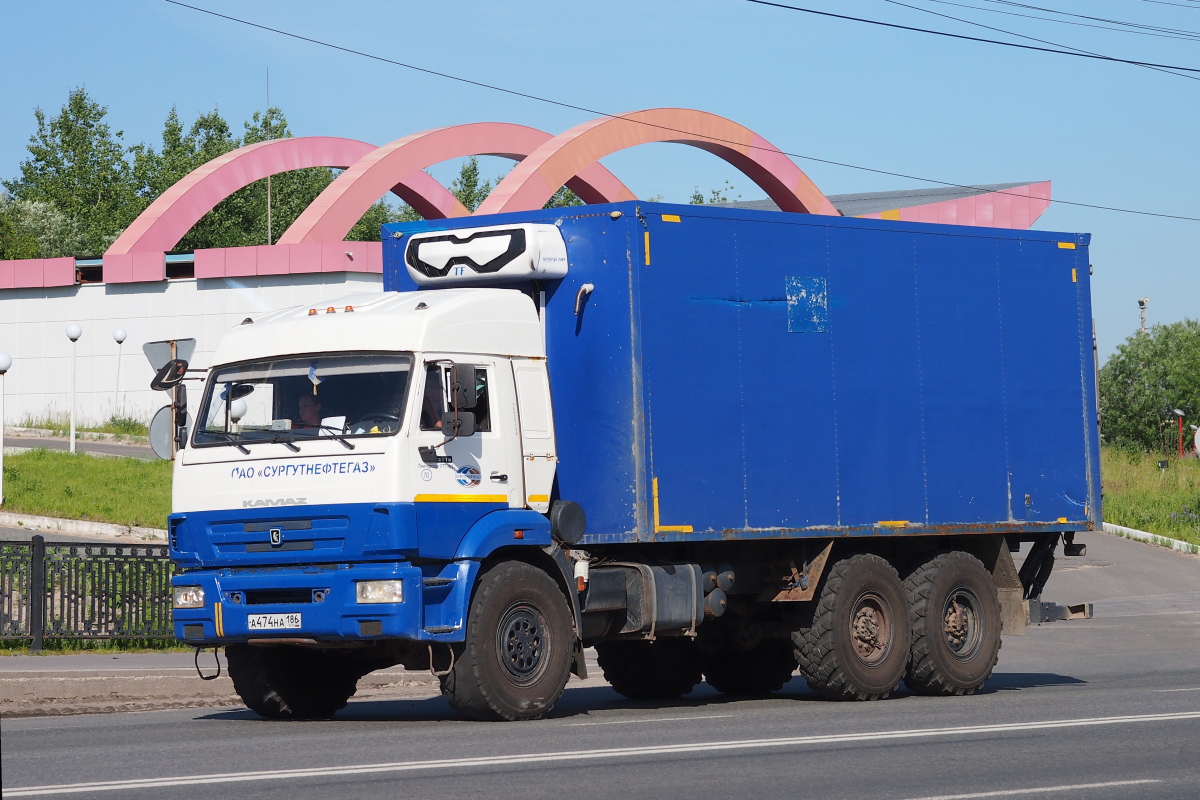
(1106, 134)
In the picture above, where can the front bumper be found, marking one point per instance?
(324, 596)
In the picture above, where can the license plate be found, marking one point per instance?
(273, 622)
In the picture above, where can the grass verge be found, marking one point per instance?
(1137, 494)
(117, 423)
(126, 491)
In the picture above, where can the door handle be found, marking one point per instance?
(499, 477)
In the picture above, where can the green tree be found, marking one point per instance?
(1141, 384)
(78, 165)
(714, 196)
(563, 198)
(35, 229)
(467, 187)
(15, 240)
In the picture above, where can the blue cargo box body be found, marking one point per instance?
(756, 375)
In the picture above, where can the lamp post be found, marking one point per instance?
(1179, 414)
(73, 333)
(5, 363)
(119, 337)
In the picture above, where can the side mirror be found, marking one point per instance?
(237, 391)
(460, 424)
(169, 375)
(463, 390)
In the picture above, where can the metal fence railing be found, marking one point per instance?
(73, 590)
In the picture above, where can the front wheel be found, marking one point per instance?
(287, 682)
(517, 656)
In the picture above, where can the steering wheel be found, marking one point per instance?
(390, 420)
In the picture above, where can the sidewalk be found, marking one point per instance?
(104, 683)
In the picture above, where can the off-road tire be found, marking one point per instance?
(762, 669)
(287, 682)
(665, 669)
(956, 625)
(517, 656)
(856, 645)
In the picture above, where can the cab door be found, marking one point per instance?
(537, 430)
(478, 468)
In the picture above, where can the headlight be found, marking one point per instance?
(381, 591)
(187, 596)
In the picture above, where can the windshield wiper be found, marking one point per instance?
(334, 433)
(231, 438)
(288, 443)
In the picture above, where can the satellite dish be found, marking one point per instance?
(162, 432)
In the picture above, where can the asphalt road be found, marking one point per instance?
(1106, 708)
(105, 448)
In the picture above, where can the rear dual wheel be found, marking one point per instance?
(955, 613)
(762, 669)
(856, 645)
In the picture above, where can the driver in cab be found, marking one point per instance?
(310, 412)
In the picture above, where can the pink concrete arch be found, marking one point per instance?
(172, 215)
(535, 179)
(334, 212)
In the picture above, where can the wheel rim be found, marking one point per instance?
(871, 628)
(961, 626)
(522, 641)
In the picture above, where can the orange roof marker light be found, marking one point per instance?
(312, 311)
(330, 310)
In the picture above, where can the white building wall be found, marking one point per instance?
(33, 331)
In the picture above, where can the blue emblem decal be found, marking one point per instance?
(468, 476)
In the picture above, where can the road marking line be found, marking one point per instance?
(1193, 689)
(655, 719)
(582, 755)
(1036, 790)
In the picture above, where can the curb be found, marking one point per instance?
(43, 525)
(91, 436)
(1162, 541)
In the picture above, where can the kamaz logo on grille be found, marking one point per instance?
(282, 501)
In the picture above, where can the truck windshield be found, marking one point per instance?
(284, 399)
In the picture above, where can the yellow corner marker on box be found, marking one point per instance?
(647, 248)
(892, 523)
(670, 218)
(658, 526)
(1066, 245)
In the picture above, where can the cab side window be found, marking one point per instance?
(433, 402)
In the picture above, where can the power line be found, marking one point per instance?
(1137, 28)
(964, 37)
(1030, 38)
(586, 110)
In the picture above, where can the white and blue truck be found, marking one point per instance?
(713, 443)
